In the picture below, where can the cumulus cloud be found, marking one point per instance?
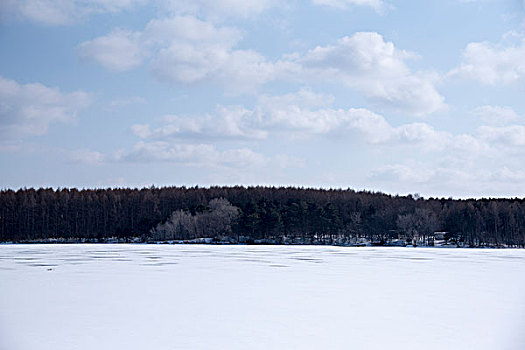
(377, 5)
(304, 113)
(190, 29)
(442, 180)
(305, 98)
(511, 135)
(307, 115)
(422, 133)
(492, 64)
(220, 9)
(370, 126)
(496, 115)
(184, 49)
(455, 158)
(127, 101)
(427, 138)
(366, 62)
(66, 12)
(373, 128)
(87, 157)
(436, 179)
(31, 108)
(191, 155)
(62, 12)
(120, 50)
(398, 172)
(187, 50)
(234, 123)
(301, 113)
(486, 162)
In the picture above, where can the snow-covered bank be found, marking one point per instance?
(245, 240)
(259, 297)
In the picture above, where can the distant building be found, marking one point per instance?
(439, 236)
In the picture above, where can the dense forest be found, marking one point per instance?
(255, 214)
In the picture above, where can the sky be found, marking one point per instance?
(395, 96)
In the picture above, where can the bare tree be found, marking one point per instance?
(180, 225)
(216, 221)
(418, 225)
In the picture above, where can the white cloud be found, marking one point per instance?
(183, 49)
(61, 12)
(221, 9)
(237, 70)
(512, 135)
(377, 5)
(66, 12)
(466, 144)
(496, 115)
(405, 173)
(202, 155)
(188, 154)
(187, 50)
(364, 123)
(301, 113)
(305, 98)
(305, 113)
(114, 5)
(438, 161)
(428, 138)
(367, 63)
(190, 29)
(435, 179)
(45, 12)
(493, 63)
(87, 157)
(232, 122)
(439, 180)
(311, 113)
(487, 162)
(422, 133)
(31, 108)
(120, 50)
(127, 101)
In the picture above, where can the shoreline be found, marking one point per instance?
(223, 243)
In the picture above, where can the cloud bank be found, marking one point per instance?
(29, 109)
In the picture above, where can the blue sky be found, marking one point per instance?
(385, 95)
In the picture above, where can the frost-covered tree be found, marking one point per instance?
(215, 221)
(180, 225)
(419, 224)
(218, 219)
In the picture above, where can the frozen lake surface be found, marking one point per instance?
(67, 297)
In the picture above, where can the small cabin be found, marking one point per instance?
(439, 236)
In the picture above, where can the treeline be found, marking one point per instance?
(263, 213)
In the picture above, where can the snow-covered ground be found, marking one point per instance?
(67, 297)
